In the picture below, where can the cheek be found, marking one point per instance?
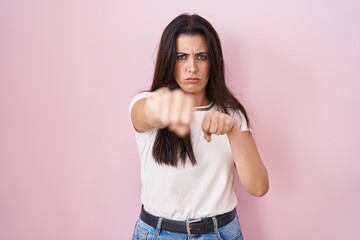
(178, 71)
(206, 69)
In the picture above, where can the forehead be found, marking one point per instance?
(187, 42)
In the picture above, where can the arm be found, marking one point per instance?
(251, 170)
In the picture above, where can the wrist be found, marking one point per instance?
(234, 130)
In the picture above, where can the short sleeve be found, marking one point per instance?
(134, 100)
(243, 125)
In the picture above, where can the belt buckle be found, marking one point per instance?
(188, 229)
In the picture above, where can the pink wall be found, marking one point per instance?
(69, 168)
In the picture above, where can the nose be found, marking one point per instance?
(192, 65)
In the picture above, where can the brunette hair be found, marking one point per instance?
(168, 148)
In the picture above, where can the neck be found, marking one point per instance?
(201, 100)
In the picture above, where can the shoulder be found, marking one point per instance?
(136, 98)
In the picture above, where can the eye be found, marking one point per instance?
(181, 57)
(202, 57)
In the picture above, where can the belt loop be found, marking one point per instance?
(216, 229)
(158, 226)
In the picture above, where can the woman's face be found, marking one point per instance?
(192, 64)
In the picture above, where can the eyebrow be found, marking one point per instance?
(195, 53)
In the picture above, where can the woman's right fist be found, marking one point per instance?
(172, 109)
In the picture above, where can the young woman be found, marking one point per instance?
(190, 133)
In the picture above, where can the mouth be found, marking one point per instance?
(192, 79)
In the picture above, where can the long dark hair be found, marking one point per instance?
(168, 148)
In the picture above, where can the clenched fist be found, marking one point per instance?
(172, 109)
(217, 123)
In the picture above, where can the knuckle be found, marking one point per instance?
(185, 119)
(174, 120)
(228, 122)
(177, 93)
(164, 119)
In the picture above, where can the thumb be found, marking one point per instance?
(207, 136)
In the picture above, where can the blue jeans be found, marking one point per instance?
(231, 231)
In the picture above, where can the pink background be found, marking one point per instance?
(69, 168)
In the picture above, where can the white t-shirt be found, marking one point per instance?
(182, 192)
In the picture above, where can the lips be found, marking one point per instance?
(192, 79)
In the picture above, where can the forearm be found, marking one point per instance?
(141, 117)
(250, 168)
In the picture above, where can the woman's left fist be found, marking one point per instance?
(217, 123)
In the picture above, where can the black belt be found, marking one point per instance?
(192, 227)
